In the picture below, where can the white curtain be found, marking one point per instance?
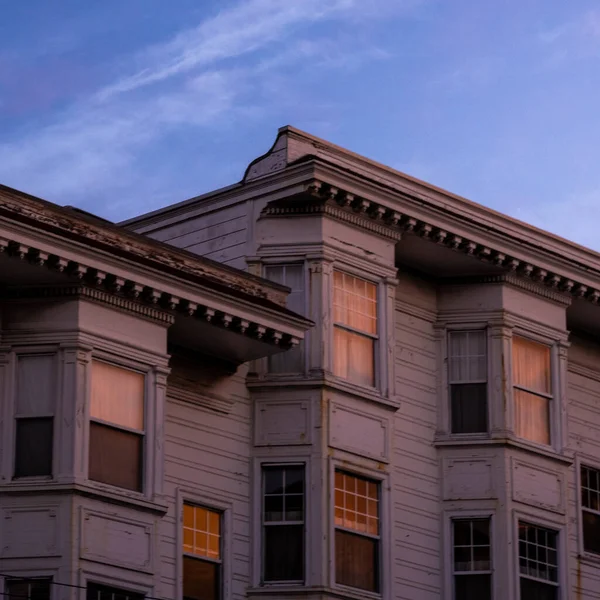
(117, 395)
(467, 356)
(36, 384)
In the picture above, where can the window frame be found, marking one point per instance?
(561, 552)
(376, 338)
(198, 498)
(581, 462)
(282, 465)
(385, 554)
(447, 384)
(555, 399)
(41, 574)
(305, 344)
(17, 353)
(120, 581)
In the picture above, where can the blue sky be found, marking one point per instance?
(124, 107)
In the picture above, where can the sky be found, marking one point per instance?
(122, 107)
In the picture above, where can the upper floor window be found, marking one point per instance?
(590, 509)
(357, 536)
(96, 591)
(201, 553)
(291, 361)
(34, 415)
(283, 523)
(355, 328)
(472, 561)
(538, 562)
(532, 389)
(34, 588)
(467, 377)
(116, 451)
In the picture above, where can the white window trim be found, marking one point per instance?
(291, 261)
(385, 525)
(379, 339)
(557, 425)
(448, 547)
(186, 495)
(266, 460)
(445, 420)
(149, 456)
(10, 366)
(561, 542)
(114, 577)
(592, 463)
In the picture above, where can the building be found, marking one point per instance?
(445, 409)
(435, 435)
(124, 408)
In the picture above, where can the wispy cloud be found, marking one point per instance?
(194, 80)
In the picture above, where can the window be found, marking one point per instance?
(472, 559)
(27, 589)
(355, 328)
(34, 414)
(117, 426)
(291, 361)
(538, 563)
(104, 592)
(590, 509)
(532, 390)
(356, 531)
(201, 553)
(467, 376)
(283, 523)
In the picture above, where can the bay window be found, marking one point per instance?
(34, 415)
(283, 523)
(467, 378)
(590, 509)
(357, 531)
(116, 447)
(532, 389)
(202, 568)
(355, 328)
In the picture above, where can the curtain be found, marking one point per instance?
(355, 302)
(354, 356)
(36, 376)
(117, 395)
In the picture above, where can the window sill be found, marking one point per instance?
(342, 592)
(51, 486)
(474, 440)
(327, 380)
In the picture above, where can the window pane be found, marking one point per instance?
(591, 531)
(103, 592)
(469, 407)
(201, 531)
(537, 552)
(531, 365)
(532, 417)
(354, 357)
(356, 561)
(537, 590)
(356, 499)
(355, 302)
(28, 589)
(117, 395)
(33, 447)
(284, 553)
(471, 541)
(467, 356)
(115, 457)
(590, 488)
(201, 579)
(474, 587)
(36, 376)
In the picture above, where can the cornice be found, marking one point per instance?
(129, 295)
(394, 224)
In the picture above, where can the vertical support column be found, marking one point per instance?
(387, 332)
(155, 472)
(443, 412)
(499, 378)
(72, 412)
(561, 430)
(320, 311)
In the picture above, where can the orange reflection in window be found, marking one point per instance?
(201, 532)
(356, 503)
